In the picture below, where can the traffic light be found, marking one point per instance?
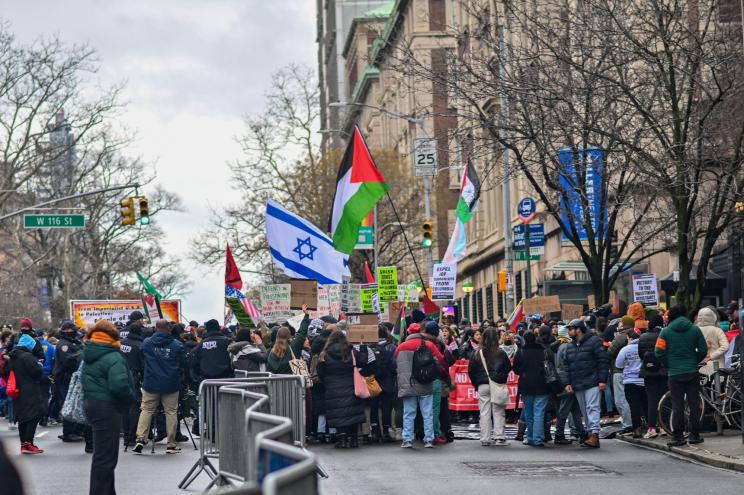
(502, 281)
(428, 233)
(127, 211)
(144, 211)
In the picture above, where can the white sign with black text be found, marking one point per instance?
(425, 157)
(645, 289)
(444, 281)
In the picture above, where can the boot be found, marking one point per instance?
(561, 440)
(592, 441)
(637, 433)
(694, 438)
(521, 428)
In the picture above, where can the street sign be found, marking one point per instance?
(425, 157)
(522, 256)
(526, 210)
(537, 236)
(65, 221)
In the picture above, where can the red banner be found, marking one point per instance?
(465, 397)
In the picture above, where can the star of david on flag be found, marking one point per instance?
(301, 249)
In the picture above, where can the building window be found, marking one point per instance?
(518, 285)
(479, 306)
(489, 302)
(466, 307)
(500, 298)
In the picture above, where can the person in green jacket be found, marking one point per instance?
(681, 347)
(284, 348)
(108, 388)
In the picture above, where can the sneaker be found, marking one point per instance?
(676, 442)
(173, 450)
(35, 449)
(428, 445)
(440, 440)
(501, 442)
(71, 438)
(88, 449)
(13, 426)
(26, 448)
(695, 438)
(561, 440)
(52, 422)
(406, 445)
(651, 433)
(137, 449)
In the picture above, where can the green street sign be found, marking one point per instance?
(522, 256)
(71, 221)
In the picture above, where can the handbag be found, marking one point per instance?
(11, 389)
(499, 391)
(551, 374)
(361, 389)
(73, 408)
(373, 386)
(299, 368)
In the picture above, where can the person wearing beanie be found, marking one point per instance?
(211, 357)
(131, 347)
(28, 329)
(248, 352)
(27, 406)
(680, 347)
(108, 388)
(417, 316)
(638, 312)
(415, 394)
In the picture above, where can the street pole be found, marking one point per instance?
(427, 199)
(375, 245)
(528, 282)
(506, 183)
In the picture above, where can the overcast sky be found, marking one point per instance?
(193, 69)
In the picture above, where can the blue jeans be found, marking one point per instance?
(621, 403)
(534, 411)
(426, 403)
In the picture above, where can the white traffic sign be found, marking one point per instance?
(425, 157)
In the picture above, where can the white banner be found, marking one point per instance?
(444, 281)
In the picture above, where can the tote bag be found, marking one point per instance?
(499, 391)
(361, 389)
(74, 407)
(299, 368)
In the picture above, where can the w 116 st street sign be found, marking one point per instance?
(72, 221)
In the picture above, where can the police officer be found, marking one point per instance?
(66, 361)
(211, 358)
(131, 347)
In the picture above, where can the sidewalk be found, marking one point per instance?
(726, 452)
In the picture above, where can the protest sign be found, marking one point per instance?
(541, 305)
(407, 292)
(275, 302)
(334, 299)
(369, 299)
(303, 292)
(87, 312)
(444, 281)
(387, 281)
(351, 298)
(571, 311)
(645, 289)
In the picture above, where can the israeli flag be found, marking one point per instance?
(301, 249)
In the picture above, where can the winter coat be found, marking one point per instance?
(106, 376)
(247, 357)
(587, 362)
(280, 365)
(715, 339)
(342, 407)
(211, 359)
(560, 361)
(407, 386)
(165, 358)
(318, 390)
(28, 374)
(629, 361)
(618, 342)
(529, 364)
(49, 351)
(498, 371)
(646, 344)
(131, 347)
(38, 351)
(681, 346)
(67, 358)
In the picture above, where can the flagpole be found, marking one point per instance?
(408, 244)
(375, 246)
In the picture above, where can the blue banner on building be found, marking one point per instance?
(590, 165)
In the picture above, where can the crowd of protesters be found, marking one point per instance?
(140, 381)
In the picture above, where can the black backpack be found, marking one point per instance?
(650, 363)
(424, 365)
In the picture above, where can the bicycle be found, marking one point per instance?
(725, 404)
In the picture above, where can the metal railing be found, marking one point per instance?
(237, 415)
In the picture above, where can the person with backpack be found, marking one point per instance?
(653, 373)
(416, 360)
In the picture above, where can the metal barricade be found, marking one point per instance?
(299, 477)
(287, 396)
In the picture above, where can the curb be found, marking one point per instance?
(695, 453)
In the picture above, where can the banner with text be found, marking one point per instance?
(645, 289)
(387, 280)
(275, 302)
(444, 281)
(86, 313)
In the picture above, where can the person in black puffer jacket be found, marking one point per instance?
(319, 426)
(344, 410)
(385, 371)
(131, 347)
(653, 373)
(529, 365)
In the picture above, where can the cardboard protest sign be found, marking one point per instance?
(387, 282)
(358, 334)
(541, 305)
(571, 311)
(303, 292)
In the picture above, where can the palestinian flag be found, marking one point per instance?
(468, 202)
(359, 186)
(150, 299)
(400, 325)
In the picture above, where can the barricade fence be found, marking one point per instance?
(237, 415)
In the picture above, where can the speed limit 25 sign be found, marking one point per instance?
(425, 157)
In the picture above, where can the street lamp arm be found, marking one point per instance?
(409, 118)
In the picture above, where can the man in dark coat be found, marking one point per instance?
(586, 367)
(67, 359)
(27, 406)
(131, 347)
(211, 357)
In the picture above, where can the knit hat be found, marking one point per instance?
(655, 321)
(414, 328)
(638, 313)
(417, 316)
(212, 325)
(243, 335)
(26, 323)
(432, 328)
(627, 321)
(563, 331)
(27, 341)
(136, 315)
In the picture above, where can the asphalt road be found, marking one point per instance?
(464, 468)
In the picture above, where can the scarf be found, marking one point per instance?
(104, 338)
(510, 350)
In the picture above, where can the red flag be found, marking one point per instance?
(368, 274)
(232, 274)
(429, 307)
